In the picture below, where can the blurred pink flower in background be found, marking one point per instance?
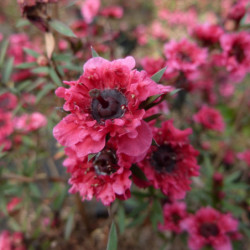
(173, 214)
(210, 118)
(90, 9)
(244, 156)
(209, 227)
(29, 122)
(112, 11)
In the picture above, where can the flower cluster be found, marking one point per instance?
(106, 104)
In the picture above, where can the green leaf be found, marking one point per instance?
(138, 172)
(94, 53)
(4, 47)
(62, 28)
(23, 85)
(31, 52)
(59, 199)
(91, 156)
(22, 22)
(152, 117)
(26, 65)
(158, 75)
(149, 102)
(112, 241)
(39, 70)
(55, 77)
(235, 175)
(156, 214)
(69, 226)
(7, 70)
(44, 92)
(175, 91)
(121, 218)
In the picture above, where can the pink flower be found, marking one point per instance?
(141, 34)
(15, 50)
(209, 227)
(90, 9)
(8, 102)
(112, 11)
(5, 242)
(184, 56)
(80, 28)
(238, 10)
(152, 65)
(236, 54)
(210, 118)
(11, 242)
(6, 125)
(173, 214)
(12, 205)
(30, 122)
(158, 31)
(105, 176)
(187, 18)
(207, 33)
(170, 165)
(105, 100)
(245, 156)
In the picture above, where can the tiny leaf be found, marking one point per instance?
(94, 53)
(7, 70)
(158, 75)
(152, 117)
(112, 241)
(62, 28)
(31, 52)
(91, 156)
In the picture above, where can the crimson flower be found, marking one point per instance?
(170, 165)
(105, 176)
(173, 214)
(105, 101)
(210, 118)
(210, 227)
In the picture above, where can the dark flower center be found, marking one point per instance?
(183, 56)
(176, 218)
(164, 159)
(237, 52)
(107, 104)
(209, 229)
(105, 163)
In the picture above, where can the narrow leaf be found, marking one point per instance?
(94, 53)
(152, 117)
(138, 172)
(38, 70)
(112, 241)
(158, 75)
(62, 28)
(26, 65)
(22, 22)
(175, 91)
(7, 70)
(31, 52)
(4, 47)
(91, 156)
(69, 226)
(55, 77)
(44, 92)
(121, 218)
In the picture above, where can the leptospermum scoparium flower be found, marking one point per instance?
(170, 165)
(105, 101)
